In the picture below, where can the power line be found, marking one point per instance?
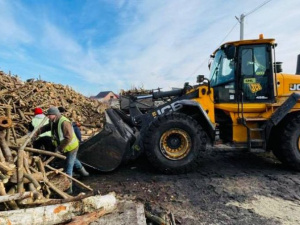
(206, 59)
(193, 74)
(258, 7)
(229, 32)
(243, 15)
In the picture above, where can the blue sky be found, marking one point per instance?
(102, 45)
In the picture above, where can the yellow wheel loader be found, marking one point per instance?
(247, 101)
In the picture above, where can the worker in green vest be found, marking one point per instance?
(64, 139)
(43, 141)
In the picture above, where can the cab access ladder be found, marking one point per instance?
(266, 125)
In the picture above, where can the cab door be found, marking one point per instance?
(255, 73)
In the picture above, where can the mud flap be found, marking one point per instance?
(105, 151)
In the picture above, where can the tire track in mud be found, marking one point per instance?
(228, 188)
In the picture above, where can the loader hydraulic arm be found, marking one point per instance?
(163, 94)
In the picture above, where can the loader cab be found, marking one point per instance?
(243, 73)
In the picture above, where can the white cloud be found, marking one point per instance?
(157, 44)
(11, 31)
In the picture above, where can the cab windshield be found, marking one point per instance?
(222, 69)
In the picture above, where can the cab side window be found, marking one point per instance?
(223, 69)
(253, 61)
(260, 64)
(247, 62)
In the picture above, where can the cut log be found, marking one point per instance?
(14, 134)
(12, 204)
(8, 114)
(60, 181)
(38, 176)
(60, 213)
(2, 189)
(87, 218)
(22, 115)
(62, 201)
(40, 165)
(20, 170)
(5, 122)
(45, 163)
(6, 169)
(3, 178)
(4, 147)
(46, 202)
(17, 196)
(72, 178)
(42, 152)
(2, 159)
(33, 181)
(58, 191)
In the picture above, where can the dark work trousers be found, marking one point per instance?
(44, 143)
(71, 162)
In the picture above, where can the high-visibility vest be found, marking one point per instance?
(36, 121)
(74, 142)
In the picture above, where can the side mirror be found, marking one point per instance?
(200, 78)
(278, 67)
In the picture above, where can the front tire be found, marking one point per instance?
(173, 143)
(287, 149)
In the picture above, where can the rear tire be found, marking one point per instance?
(173, 143)
(287, 149)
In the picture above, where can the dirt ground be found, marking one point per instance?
(230, 187)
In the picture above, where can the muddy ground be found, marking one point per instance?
(230, 187)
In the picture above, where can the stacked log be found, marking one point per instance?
(136, 91)
(26, 178)
(78, 210)
(18, 100)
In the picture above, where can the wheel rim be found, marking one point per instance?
(175, 144)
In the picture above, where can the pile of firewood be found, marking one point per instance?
(26, 178)
(18, 100)
(136, 91)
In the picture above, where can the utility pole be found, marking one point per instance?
(241, 21)
(242, 17)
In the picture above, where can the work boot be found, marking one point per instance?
(83, 172)
(69, 191)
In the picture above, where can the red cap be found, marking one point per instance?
(38, 111)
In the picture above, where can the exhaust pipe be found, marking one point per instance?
(298, 66)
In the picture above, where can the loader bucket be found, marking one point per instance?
(105, 151)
